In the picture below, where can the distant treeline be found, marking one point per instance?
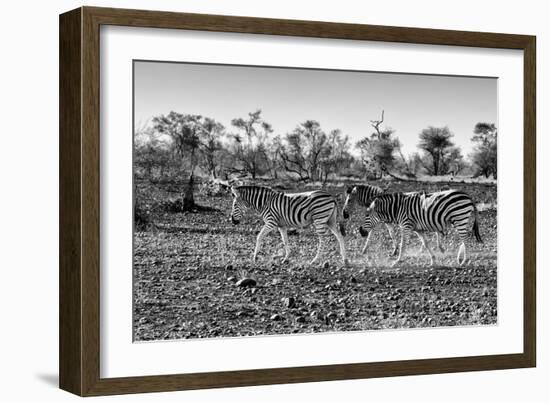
(195, 145)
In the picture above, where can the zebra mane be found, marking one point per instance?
(365, 193)
(255, 195)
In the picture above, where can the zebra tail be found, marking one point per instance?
(475, 228)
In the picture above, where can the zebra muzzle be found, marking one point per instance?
(234, 221)
(363, 232)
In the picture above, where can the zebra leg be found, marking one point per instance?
(393, 241)
(425, 245)
(438, 241)
(284, 237)
(461, 250)
(463, 232)
(364, 250)
(422, 243)
(400, 248)
(341, 242)
(320, 229)
(263, 232)
(318, 254)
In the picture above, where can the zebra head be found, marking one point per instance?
(239, 206)
(363, 194)
(351, 191)
(371, 220)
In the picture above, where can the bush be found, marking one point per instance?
(142, 216)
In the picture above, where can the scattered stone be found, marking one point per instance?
(326, 265)
(275, 317)
(353, 280)
(300, 319)
(232, 279)
(246, 282)
(229, 267)
(289, 302)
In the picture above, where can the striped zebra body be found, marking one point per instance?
(282, 211)
(363, 195)
(419, 212)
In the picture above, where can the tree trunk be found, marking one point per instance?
(436, 164)
(188, 197)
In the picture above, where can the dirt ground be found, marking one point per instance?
(194, 278)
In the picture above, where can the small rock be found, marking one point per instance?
(353, 280)
(289, 302)
(232, 279)
(276, 317)
(300, 319)
(246, 282)
(326, 265)
(229, 267)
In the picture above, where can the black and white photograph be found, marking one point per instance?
(281, 201)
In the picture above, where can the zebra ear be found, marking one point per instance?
(351, 190)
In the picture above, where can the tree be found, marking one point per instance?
(484, 155)
(436, 144)
(273, 152)
(151, 152)
(249, 146)
(337, 157)
(453, 161)
(378, 150)
(304, 150)
(211, 145)
(184, 131)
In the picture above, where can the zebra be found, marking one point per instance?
(420, 212)
(364, 195)
(289, 210)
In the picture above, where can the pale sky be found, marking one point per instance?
(337, 99)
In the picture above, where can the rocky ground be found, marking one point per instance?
(193, 276)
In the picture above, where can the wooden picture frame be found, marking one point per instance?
(79, 347)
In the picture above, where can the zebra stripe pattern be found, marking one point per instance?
(293, 210)
(363, 195)
(420, 212)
